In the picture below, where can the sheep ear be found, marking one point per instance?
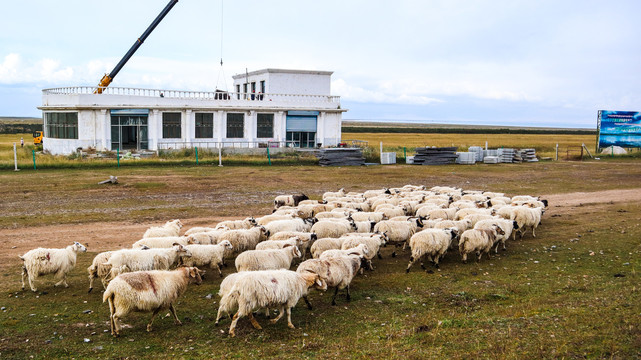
(319, 282)
(286, 245)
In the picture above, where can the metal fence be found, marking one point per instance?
(228, 144)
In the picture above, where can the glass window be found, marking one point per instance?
(204, 125)
(61, 125)
(235, 125)
(171, 125)
(265, 126)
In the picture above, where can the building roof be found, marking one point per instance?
(282, 71)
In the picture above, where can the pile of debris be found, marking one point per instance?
(435, 155)
(341, 157)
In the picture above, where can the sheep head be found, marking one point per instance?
(78, 247)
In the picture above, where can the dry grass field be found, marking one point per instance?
(571, 292)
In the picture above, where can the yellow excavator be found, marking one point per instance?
(108, 78)
(37, 138)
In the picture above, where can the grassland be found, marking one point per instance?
(571, 292)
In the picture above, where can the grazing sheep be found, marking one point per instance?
(479, 241)
(390, 212)
(432, 243)
(325, 244)
(171, 228)
(43, 261)
(298, 225)
(474, 218)
(243, 239)
(122, 261)
(208, 237)
(147, 291)
(364, 226)
(467, 211)
(329, 228)
(253, 260)
(373, 193)
(508, 227)
(445, 214)
(289, 200)
(342, 214)
(268, 288)
(247, 223)
(302, 243)
(337, 272)
(207, 255)
(373, 242)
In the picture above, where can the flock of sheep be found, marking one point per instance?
(342, 234)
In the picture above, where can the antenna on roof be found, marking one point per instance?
(221, 71)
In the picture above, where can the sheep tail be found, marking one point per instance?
(21, 258)
(461, 245)
(108, 294)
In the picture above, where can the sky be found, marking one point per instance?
(500, 62)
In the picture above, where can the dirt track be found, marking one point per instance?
(113, 235)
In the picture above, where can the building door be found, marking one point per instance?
(301, 128)
(129, 129)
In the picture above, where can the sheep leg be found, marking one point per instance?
(533, 234)
(289, 318)
(464, 258)
(334, 297)
(369, 264)
(379, 254)
(153, 316)
(309, 305)
(173, 312)
(91, 277)
(112, 314)
(220, 272)
(412, 260)
(349, 296)
(232, 327)
(281, 312)
(24, 273)
(219, 315)
(31, 277)
(254, 322)
(479, 254)
(63, 279)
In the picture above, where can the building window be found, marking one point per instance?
(262, 86)
(171, 125)
(265, 126)
(61, 125)
(238, 91)
(235, 125)
(204, 125)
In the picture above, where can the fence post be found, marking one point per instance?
(405, 153)
(15, 157)
(220, 156)
(381, 153)
(33, 152)
(557, 152)
(118, 156)
(269, 159)
(196, 149)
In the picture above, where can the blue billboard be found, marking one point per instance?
(619, 128)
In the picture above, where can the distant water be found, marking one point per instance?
(554, 125)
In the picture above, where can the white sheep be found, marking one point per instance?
(527, 218)
(360, 250)
(508, 227)
(302, 243)
(271, 259)
(149, 291)
(474, 218)
(467, 211)
(268, 288)
(122, 261)
(243, 239)
(364, 226)
(398, 232)
(43, 261)
(273, 217)
(339, 193)
(246, 223)
(479, 241)
(367, 216)
(207, 255)
(325, 244)
(342, 214)
(171, 228)
(94, 269)
(305, 239)
(373, 242)
(445, 214)
(198, 229)
(393, 211)
(432, 243)
(164, 242)
(328, 228)
(337, 272)
(298, 225)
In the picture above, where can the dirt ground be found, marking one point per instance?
(104, 236)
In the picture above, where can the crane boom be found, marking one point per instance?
(108, 78)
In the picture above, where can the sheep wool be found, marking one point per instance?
(207, 255)
(253, 260)
(337, 272)
(43, 261)
(430, 243)
(147, 291)
(171, 228)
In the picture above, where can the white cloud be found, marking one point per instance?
(14, 70)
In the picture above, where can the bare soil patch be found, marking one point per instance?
(102, 236)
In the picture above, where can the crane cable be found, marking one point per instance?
(221, 71)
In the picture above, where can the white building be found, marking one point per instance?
(270, 107)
